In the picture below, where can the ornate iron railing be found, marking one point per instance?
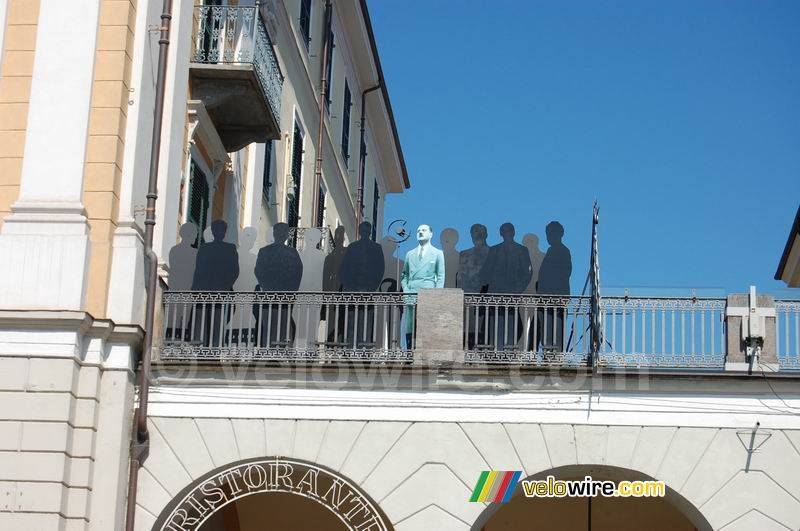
(237, 35)
(663, 332)
(526, 329)
(287, 326)
(787, 333)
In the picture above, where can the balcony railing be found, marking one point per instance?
(526, 329)
(300, 327)
(663, 332)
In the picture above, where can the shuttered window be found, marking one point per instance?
(346, 123)
(267, 177)
(305, 21)
(198, 201)
(293, 215)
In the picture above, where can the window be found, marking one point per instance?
(376, 196)
(198, 201)
(346, 123)
(329, 73)
(267, 177)
(320, 218)
(305, 21)
(293, 211)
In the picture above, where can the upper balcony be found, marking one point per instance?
(235, 73)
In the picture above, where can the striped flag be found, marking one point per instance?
(494, 486)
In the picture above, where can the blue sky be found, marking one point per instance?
(682, 118)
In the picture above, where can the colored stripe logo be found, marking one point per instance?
(494, 486)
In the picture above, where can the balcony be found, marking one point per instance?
(479, 330)
(235, 73)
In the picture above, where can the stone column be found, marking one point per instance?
(44, 242)
(738, 307)
(440, 326)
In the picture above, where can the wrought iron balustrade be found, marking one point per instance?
(539, 330)
(236, 35)
(787, 333)
(663, 332)
(287, 326)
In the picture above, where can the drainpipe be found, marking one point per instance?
(140, 440)
(323, 98)
(362, 157)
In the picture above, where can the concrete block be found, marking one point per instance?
(560, 440)
(591, 444)
(337, 443)
(10, 435)
(686, 449)
(529, 443)
(219, 439)
(495, 446)
(432, 517)
(8, 492)
(31, 521)
(48, 374)
(371, 446)
(76, 503)
(35, 406)
(88, 382)
(33, 466)
(621, 444)
(280, 437)
(85, 413)
(82, 442)
(39, 497)
(308, 439)
(434, 484)
(45, 436)
(165, 465)
(651, 448)
(440, 326)
(79, 472)
(13, 374)
(182, 433)
(250, 437)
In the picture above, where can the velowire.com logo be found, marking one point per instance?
(494, 486)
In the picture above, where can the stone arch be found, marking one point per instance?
(604, 472)
(204, 497)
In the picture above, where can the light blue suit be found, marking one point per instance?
(426, 271)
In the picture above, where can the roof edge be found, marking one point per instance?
(384, 91)
(789, 242)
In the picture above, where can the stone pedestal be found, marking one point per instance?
(440, 326)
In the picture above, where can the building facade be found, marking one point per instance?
(323, 410)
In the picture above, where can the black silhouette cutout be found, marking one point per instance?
(392, 266)
(182, 260)
(553, 280)
(389, 319)
(507, 270)
(216, 269)
(361, 272)
(449, 239)
(278, 268)
(470, 264)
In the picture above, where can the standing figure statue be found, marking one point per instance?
(278, 268)
(470, 264)
(507, 271)
(182, 259)
(553, 280)
(362, 270)
(449, 239)
(423, 268)
(216, 269)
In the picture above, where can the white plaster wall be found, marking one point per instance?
(421, 473)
